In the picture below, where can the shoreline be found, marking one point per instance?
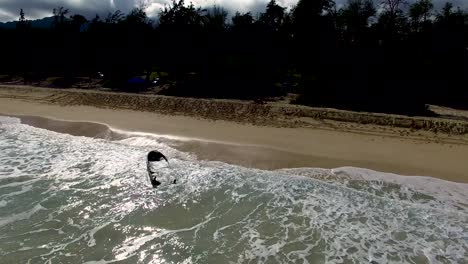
(327, 145)
(277, 114)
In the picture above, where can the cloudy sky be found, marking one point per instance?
(9, 9)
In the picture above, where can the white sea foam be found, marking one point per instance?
(442, 189)
(92, 203)
(20, 216)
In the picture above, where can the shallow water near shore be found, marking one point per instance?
(72, 199)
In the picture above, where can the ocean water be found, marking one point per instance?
(69, 199)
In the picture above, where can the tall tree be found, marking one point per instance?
(137, 17)
(60, 19)
(420, 13)
(313, 29)
(393, 7)
(216, 19)
(77, 22)
(273, 17)
(22, 18)
(242, 21)
(177, 15)
(180, 26)
(115, 17)
(307, 16)
(452, 26)
(355, 19)
(23, 23)
(392, 21)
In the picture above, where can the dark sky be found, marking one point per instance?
(9, 9)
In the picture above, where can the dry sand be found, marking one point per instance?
(324, 144)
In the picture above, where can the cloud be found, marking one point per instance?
(9, 9)
(40, 8)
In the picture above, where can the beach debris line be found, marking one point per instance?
(155, 162)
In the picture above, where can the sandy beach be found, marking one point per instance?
(271, 143)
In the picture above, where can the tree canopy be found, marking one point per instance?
(388, 56)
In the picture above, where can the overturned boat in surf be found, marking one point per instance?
(156, 163)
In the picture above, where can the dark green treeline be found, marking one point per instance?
(388, 57)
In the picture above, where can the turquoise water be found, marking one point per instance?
(68, 199)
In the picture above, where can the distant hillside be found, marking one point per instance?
(38, 23)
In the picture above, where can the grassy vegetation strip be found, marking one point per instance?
(231, 110)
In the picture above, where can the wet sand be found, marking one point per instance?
(327, 144)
